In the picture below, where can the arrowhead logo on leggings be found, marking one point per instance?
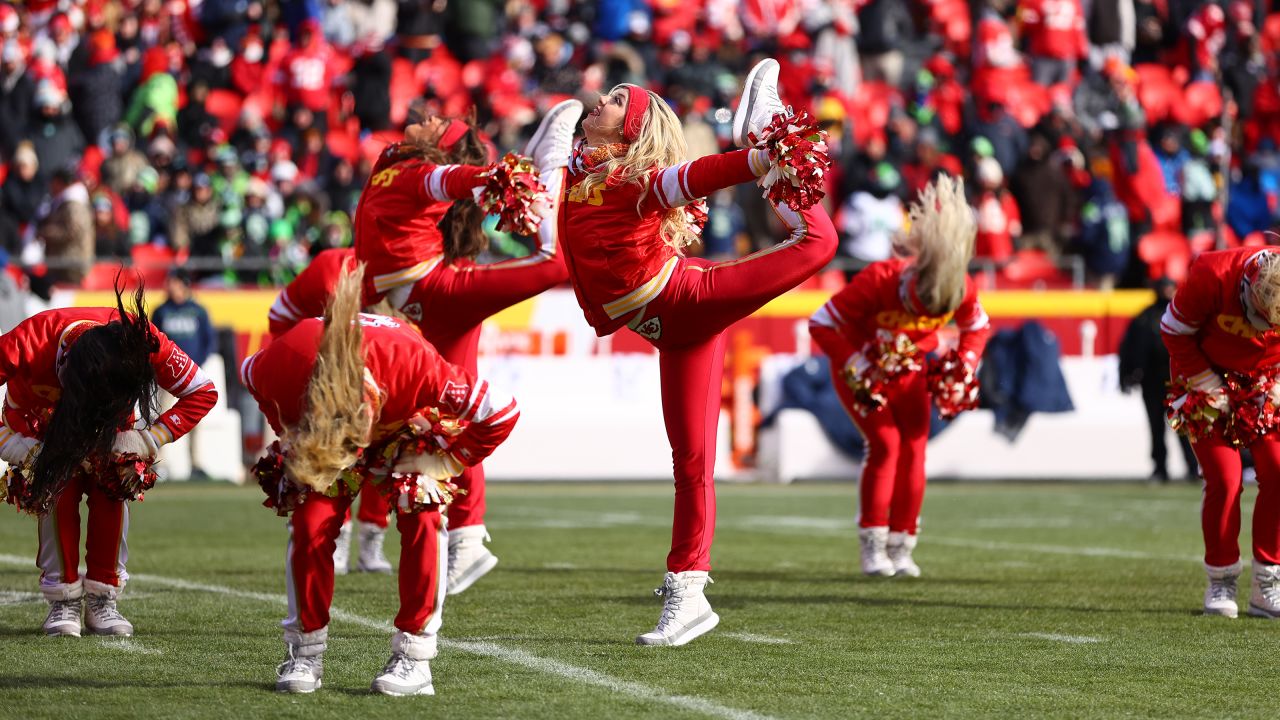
(651, 328)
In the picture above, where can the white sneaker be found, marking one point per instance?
(875, 551)
(1264, 600)
(408, 672)
(686, 614)
(899, 550)
(469, 559)
(63, 619)
(342, 551)
(303, 666)
(1220, 596)
(552, 143)
(371, 558)
(759, 102)
(102, 617)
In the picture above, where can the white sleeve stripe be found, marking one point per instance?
(478, 401)
(281, 310)
(979, 322)
(827, 316)
(1171, 325)
(1177, 314)
(671, 186)
(246, 371)
(659, 188)
(435, 182)
(198, 382)
(507, 414)
(683, 176)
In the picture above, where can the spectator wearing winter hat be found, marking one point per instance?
(120, 170)
(196, 125)
(306, 77)
(20, 197)
(248, 69)
(17, 95)
(1044, 197)
(1007, 137)
(155, 101)
(110, 240)
(66, 229)
(197, 226)
(96, 91)
(873, 216)
(1056, 40)
(58, 141)
(999, 221)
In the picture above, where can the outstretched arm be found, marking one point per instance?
(682, 184)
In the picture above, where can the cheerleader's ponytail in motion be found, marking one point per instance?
(942, 235)
(105, 371)
(336, 421)
(1264, 287)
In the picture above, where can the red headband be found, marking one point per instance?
(453, 134)
(637, 104)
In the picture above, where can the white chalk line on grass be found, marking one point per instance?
(586, 676)
(1056, 637)
(130, 646)
(758, 639)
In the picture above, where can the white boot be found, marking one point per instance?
(552, 143)
(1220, 596)
(875, 551)
(1264, 600)
(759, 102)
(100, 612)
(469, 559)
(408, 672)
(64, 609)
(686, 614)
(899, 551)
(303, 665)
(342, 550)
(371, 558)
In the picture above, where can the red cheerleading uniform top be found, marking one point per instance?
(307, 295)
(617, 258)
(410, 378)
(29, 357)
(881, 297)
(1207, 327)
(403, 201)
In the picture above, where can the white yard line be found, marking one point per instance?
(130, 646)
(574, 673)
(1059, 549)
(1055, 637)
(754, 638)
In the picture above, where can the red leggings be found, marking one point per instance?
(313, 531)
(374, 508)
(105, 549)
(891, 489)
(687, 324)
(1220, 511)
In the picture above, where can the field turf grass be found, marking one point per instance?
(1039, 600)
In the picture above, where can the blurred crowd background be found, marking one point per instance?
(1103, 142)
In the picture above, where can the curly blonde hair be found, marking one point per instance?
(660, 144)
(943, 230)
(337, 420)
(1266, 288)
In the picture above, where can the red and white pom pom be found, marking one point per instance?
(1253, 408)
(283, 495)
(696, 213)
(798, 159)
(16, 489)
(126, 476)
(1196, 413)
(512, 191)
(884, 359)
(953, 384)
(412, 491)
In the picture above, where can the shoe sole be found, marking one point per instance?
(1224, 613)
(879, 573)
(752, 89)
(907, 573)
(60, 633)
(550, 120)
(1256, 611)
(109, 632)
(693, 631)
(297, 690)
(391, 692)
(473, 573)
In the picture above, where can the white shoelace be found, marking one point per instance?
(401, 666)
(295, 663)
(1224, 589)
(103, 609)
(64, 611)
(1269, 587)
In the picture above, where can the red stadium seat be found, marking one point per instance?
(404, 89)
(154, 262)
(1202, 102)
(1029, 268)
(1166, 253)
(342, 144)
(102, 276)
(225, 106)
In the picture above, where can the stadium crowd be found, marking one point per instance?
(236, 135)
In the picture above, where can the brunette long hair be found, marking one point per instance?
(104, 374)
(462, 225)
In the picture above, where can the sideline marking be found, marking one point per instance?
(1073, 639)
(130, 646)
(760, 639)
(583, 675)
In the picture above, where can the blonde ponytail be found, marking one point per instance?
(335, 423)
(942, 237)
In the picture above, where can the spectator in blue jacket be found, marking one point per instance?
(186, 322)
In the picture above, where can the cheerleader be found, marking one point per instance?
(1221, 332)
(877, 331)
(623, 228)
(74, 379)
(355, 398)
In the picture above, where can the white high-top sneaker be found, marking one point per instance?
(1220, 596)
(303, 665)
(408, 672)
(552, 143)
(874, 542)
(899, 551)
(342, 551)
(469, 559)
(1264, 600)
(100, 613)
(371, 558)
(759, 102)
(63, 619)
(686, 614)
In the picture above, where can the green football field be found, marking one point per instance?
(1037, 600)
